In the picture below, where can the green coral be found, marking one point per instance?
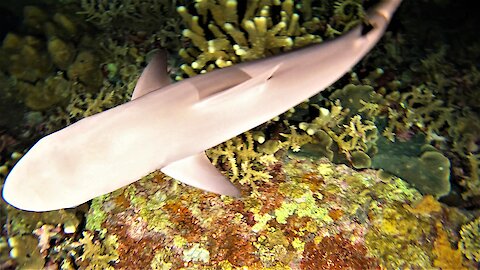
(470, 240)
(305, 206)
(423, 167)
(360, 160)
(160, 260)
(22, 222)
(85, 70)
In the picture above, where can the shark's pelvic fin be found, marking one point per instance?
(154, 76)
(199, 172)
(248, 88)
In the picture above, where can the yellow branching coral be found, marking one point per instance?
(349, 133)
(244, 163)
(355, 135)
(470, 242)
(99, 254)
(418, 108)
(223, 33)
(296, 140)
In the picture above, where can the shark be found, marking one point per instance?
(168, 126)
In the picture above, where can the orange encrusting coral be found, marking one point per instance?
(447, 257)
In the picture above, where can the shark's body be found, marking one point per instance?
(169, 126)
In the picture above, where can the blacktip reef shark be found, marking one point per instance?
(169, 126)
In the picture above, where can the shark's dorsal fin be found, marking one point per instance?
(241, 88)
(199, 172)
(154, 76)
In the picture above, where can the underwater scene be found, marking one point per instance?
(379, 169)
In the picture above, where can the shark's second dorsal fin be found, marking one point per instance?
(154, 76)
(199, 172)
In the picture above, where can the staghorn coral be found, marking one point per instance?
(351, 128)
(243, 162)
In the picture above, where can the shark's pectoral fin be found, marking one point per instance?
(154, 76)
(199, 172)
(246, 89)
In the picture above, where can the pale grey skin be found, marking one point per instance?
(169, 126)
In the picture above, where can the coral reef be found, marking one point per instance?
(308, 213)
(410, 108)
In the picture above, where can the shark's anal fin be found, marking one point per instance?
(199, 172)
(253, 84)
(154, 76)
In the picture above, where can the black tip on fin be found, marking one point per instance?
(366, 28)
